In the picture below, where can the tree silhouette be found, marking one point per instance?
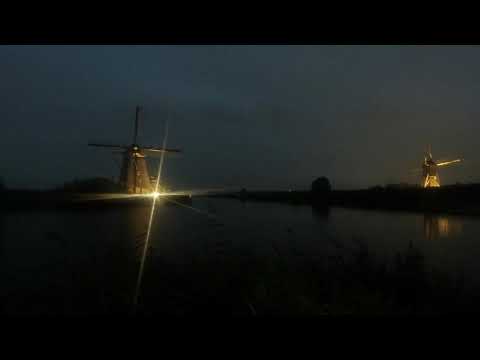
(321, 189)
(92, 185)
(321, 186)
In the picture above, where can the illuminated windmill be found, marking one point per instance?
(134, 177)
(430, 170)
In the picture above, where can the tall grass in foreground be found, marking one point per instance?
(240, 283)
(353, 284)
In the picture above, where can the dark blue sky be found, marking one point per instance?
(252, 116)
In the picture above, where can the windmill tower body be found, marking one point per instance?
(430, 173)
(430, 177)
(134, 175)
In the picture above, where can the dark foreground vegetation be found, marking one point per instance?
(243, 285)
(355, 284)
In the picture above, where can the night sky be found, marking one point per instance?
(260, 117)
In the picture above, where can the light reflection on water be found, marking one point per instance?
(39, 249)
(437, 226)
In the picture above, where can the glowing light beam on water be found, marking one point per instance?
(192, 208)
(154, 195)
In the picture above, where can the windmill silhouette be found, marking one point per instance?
(134, 176)
(430, 176)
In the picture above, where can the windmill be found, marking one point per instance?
(134, 176)
(430, 176)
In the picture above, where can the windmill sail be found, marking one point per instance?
(134, 174)
(108, 145)
(430, 176)
(448, 162)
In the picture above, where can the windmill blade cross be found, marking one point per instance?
(156, 152)
(135, 133)
(448, 162)
(108, 145)
(160, 149)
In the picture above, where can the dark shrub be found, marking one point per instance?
(100, 185)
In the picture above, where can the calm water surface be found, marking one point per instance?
(39, 249)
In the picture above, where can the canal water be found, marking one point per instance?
(50, 260)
